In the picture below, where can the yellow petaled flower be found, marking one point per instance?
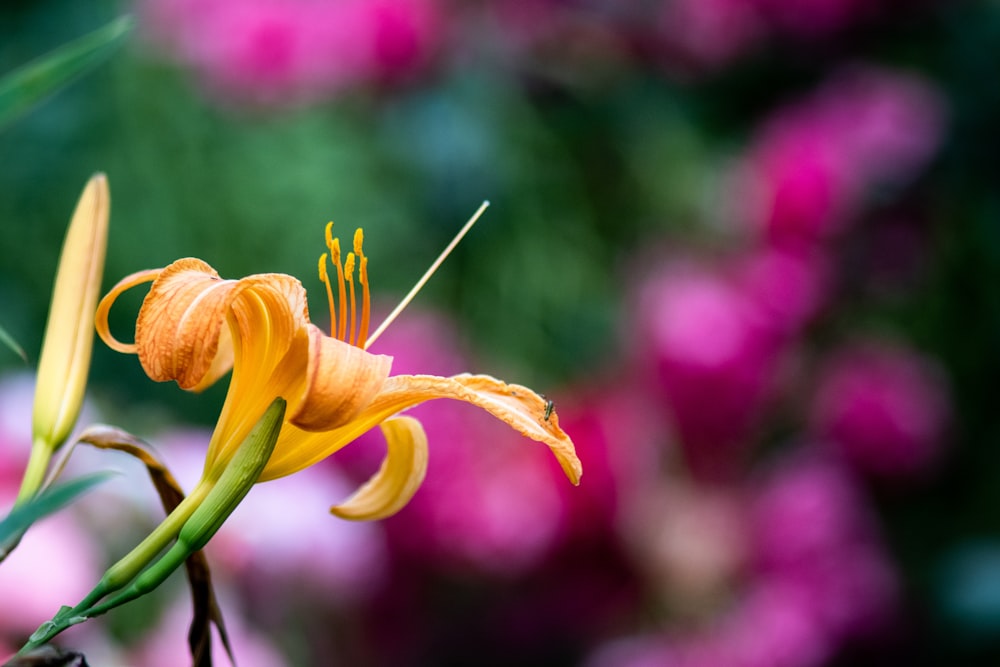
(194, 326)
(69, 334)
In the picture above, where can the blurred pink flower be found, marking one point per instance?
(815, 576)
(281, 535)
(789, 286)
(774, 626)
(17, 393)
(499, 513)
(715, 356)
(884, 408)
(707, 34)
(280, 52)
(166, 643)
(55, 563)
(804, 510)
(813, 163)
(813, 533)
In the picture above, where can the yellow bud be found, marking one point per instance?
(65, 359)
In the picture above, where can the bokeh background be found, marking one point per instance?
(748, 247)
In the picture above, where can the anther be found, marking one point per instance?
(363, 280)
(349, 275)
(334, 246)
(325, 279)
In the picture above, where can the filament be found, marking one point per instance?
(427, 274)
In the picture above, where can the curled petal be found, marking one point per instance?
(341, 380)
(178, 329)
(398, 478)
(104, 308)
(181, 331)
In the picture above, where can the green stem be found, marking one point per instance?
(125, 570)
(150, 578)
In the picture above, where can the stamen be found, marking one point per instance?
(349, 273)
(325, 278)
(334, 246)
(430, 271)
(359, 238)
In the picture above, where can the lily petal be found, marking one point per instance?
(398, 478)
(178, 329)
(519, 407)
(341, 380)
(270, 353)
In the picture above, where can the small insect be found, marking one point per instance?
(549, 406)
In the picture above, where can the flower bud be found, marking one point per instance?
(69, 334)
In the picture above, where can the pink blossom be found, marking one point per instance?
(813, 534)
(281, 534)
(790, 286)
(617, 429)
(278, 52)
(166, 644)
(774, 626)
(804, 510)
(56, 563)
(487, 502)
(715, 357)
(707, 34)
(17, 393)
(889, 123)
(807, 173)
(884, 408)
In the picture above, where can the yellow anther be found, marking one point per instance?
(359, 239)
(349, 275)
(365, 303)
(325, 279)
(341, 331)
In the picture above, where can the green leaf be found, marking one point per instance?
(51, 500)
(29, 84)
(9, 341)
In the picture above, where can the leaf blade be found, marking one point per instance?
(14, 525)
(8, 340)
(29, 84)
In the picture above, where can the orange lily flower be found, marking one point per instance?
(193, 327)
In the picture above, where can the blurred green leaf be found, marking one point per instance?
(48, 502)
(29, 84)
(8, 340)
